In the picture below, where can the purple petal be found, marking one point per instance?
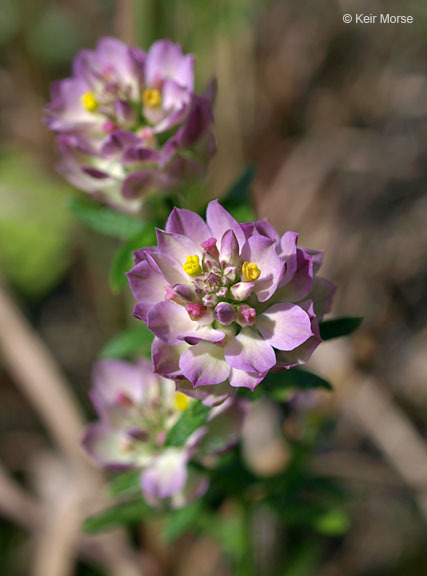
(139, 183)
(266, 229)
(322, 295)
(288, 251)
(209, 395)
(249, 352)
(197, 123)
(166, 358)
(189, 224)
(171, 323)
(285, 326)
(112, 378)
(177, 246)
(302, 354)
(118, 141)
(66, 112)
(219, 221)
(316, 257)
(165, 61)
(300, 285)
(139, 154)
(262, 251)
(204, 364)
(147, 286)
(165, 476)
(170, 268)
(105, 445)
(242, 379)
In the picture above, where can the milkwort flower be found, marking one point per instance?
(136, 410)
(128, 122)
(228, 302)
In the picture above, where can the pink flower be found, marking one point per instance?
(228, 302)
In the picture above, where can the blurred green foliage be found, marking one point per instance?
(35, 226)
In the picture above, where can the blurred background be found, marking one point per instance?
(333, 117)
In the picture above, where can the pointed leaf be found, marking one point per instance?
(135, 341)
(105, 220)
(130, 512)
(194, 417)
(339, 327)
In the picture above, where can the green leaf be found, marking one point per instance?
(133, 341)
(339, 327)
(105, 220)
(191, 419)
(35, 227)
(282, 384)
(332, 523)
(123, 260)
(130, 512)
(183, 520)
(125, 483)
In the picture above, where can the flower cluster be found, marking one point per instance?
(129, 122)
(136, 410)
(228, 302)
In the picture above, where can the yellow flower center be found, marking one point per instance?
(152, 98)
(250, 271)
(89, 101)
(192, 266)
(181, 401)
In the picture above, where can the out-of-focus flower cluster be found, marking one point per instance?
(227, 302)
(136, 410)
(129, 122)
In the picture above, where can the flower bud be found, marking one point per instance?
(242, 290)
(229, 254)
(230, 273)
(222, 292)
(224, 313)
(194, 310)
(246, 315)
(125, 114)
(210, 300)
(211, 247)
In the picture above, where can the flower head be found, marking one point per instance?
(136, 410)
(129, 122)
(228, 302)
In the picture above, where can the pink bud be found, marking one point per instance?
(246, 315)
(194, 310)
(123, 400)
(211, 247)
(109, 127)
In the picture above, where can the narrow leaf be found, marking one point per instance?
(183, 520)
(133, 341)
(105, 220)
(130, 512)
(339, 327)
(125, 483)
(194, 417)
(282, 384)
